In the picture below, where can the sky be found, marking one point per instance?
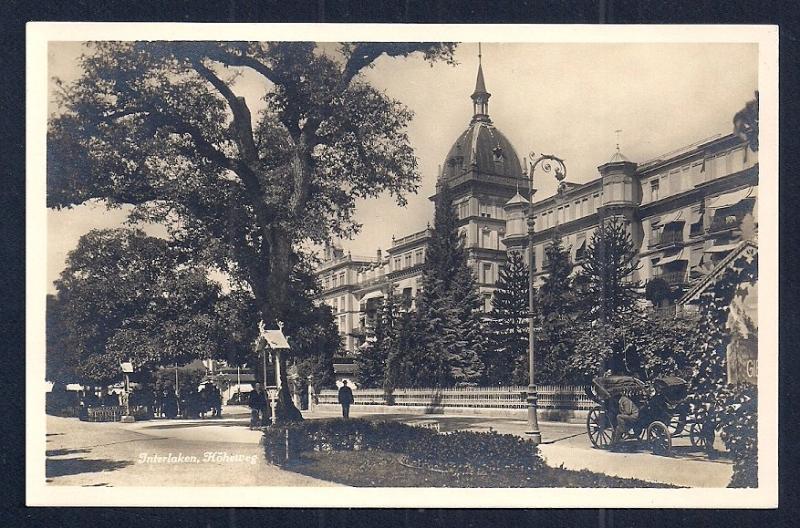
(554, 98)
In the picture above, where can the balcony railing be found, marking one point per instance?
(668, 238)
(673, 278)
(412, 237)
(723, 223)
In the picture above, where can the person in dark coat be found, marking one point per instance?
(169, 404)
(258, 406)
(627, 414)
(346, 399)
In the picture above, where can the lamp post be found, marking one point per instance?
(554, 165)
(127, 369)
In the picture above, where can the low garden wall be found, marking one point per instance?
(567, 403)
(113, 413)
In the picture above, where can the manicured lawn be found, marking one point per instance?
(384, 469)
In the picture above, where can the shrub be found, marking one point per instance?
(465, 451)
(475, 451)
(740, 434)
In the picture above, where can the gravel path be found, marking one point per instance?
(161, 453)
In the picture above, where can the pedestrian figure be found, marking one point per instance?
(627, 414)
(258, 406)
(169, 404)
(346, 399)
(216, 401)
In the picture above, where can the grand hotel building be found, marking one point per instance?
(686, 211)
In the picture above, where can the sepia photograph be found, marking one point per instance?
(402, 266)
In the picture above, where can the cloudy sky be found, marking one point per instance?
(563, 99)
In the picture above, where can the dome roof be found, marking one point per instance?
(618, 157)
(483, 148)
(517, 199)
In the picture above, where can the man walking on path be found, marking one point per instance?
(346, 399)
(258, 407)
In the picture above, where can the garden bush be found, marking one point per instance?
(464, 451)
(740, 434)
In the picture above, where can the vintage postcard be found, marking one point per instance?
(402, 266)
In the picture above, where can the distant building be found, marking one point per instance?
(686, 211)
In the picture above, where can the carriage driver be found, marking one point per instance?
(627, 414)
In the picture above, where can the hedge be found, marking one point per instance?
(469, 451)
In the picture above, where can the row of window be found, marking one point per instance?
(485, 210)
(687, 176)
(408, 259)
(568, 212)
(334, 280)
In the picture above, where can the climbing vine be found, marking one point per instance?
(718, 404)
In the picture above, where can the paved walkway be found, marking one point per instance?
(225, 452)
(162, 453)
(568, 445)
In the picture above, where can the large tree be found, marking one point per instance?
(162, 126)
(371, 360)
(506, 357)
(606, 277)
(556, 313)
(448, 331)
(125, 295)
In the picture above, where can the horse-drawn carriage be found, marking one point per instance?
(662, 413)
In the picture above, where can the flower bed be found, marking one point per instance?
(393, 454)
(460, 451)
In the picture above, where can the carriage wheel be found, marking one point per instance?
(659, 438)
(599, 429)
(677, 423)
(700, 437)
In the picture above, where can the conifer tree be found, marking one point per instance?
(507, 353)
(555, 308)
(608, 287)
(371, 362)
(447, 323)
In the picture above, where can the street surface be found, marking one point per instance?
(224, 452)
(210, 452)
(568, 445)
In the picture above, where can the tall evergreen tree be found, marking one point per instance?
(507, 354)
(555, 308)
(372, 359)
(606, 277)
(447, 325)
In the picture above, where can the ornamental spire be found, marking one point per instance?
(480, 97)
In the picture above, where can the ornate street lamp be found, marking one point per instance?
(551, 165)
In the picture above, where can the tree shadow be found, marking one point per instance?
(76, 466)
(62, 452)
(201, 423)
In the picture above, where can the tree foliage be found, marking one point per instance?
(506, 358)
(124, 295)
(371, 360)
(714, 399)
(556, 314)
(606, 274)
(634, 343)
(162, 126)
(447, 329)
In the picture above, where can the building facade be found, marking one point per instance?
(686, 211)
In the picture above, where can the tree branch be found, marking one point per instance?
(241, 113)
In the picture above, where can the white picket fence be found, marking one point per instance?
(561, 397)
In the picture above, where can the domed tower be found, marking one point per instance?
(483, 172)
(622, 193)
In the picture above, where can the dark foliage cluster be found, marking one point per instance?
(740, 434)
(458, 451)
